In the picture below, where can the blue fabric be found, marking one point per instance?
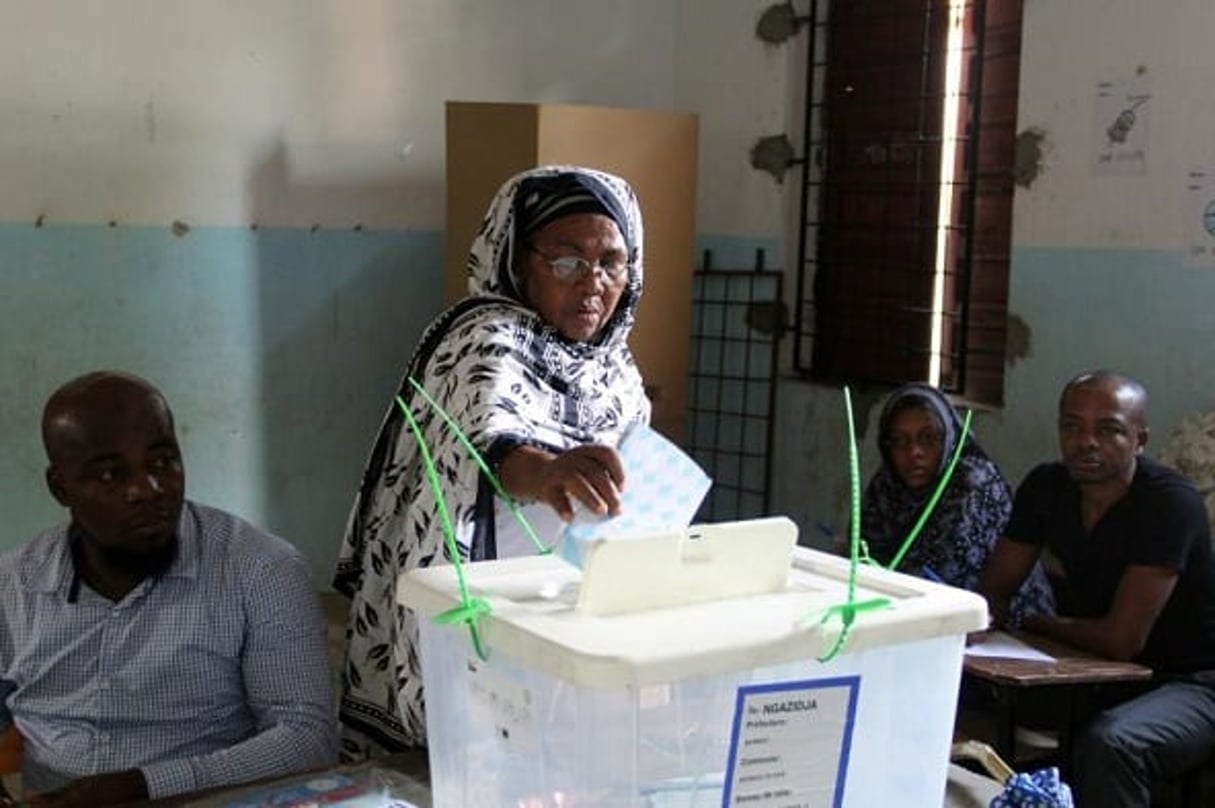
(1040, 789)
(211, 674)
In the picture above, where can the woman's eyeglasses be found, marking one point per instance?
(928, 441)
(573, 268)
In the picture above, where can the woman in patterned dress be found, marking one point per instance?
(535, 367)
(917, 434)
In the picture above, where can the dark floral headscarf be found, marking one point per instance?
(968, 519)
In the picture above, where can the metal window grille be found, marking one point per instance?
(872, 140)
(737, 319)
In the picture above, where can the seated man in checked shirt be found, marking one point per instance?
(153, 646)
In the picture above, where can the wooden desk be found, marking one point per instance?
(1077, 671)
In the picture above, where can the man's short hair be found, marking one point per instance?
(1119, 382)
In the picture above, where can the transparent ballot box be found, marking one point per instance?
(701, 668)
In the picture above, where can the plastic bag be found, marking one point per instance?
(1041, 789)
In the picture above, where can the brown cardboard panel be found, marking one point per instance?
(486, 145)
(656, 152)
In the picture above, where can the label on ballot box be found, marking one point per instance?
(774, 725)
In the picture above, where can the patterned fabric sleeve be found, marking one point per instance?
(494, 365)
(983, 513)
(877, 519)
(954, 542)
(496, 382)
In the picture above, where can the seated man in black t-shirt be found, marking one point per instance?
(1134, 541)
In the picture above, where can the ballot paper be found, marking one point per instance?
(1005, 646)
(663, 489)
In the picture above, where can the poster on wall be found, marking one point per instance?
(1120, 127)
(1200, 217)
(790, 743)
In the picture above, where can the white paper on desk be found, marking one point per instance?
(1005, 646)
(663, 489)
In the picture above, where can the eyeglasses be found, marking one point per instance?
(928, 441)
(573, 268)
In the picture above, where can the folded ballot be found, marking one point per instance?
(662, 492)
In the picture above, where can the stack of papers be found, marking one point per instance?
(1002, 645)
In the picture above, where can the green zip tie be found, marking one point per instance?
(471, 609)
(511, 503)
(848, 610)
(854, 496)
(474, 610)
(848, 613)
(859, 550)
(936, 495)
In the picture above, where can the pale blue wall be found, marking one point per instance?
(278, 349)
(1140, 311)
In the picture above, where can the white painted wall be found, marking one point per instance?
(147, 111)
(294, 113)
(1068, 48)
(279, 347)
(739, 86)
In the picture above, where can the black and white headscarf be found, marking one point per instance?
(508, 378)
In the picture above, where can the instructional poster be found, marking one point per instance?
(1122, 110)
(790, 742)
(1200, 218)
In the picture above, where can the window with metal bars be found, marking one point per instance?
(907, 186)
(736, 318)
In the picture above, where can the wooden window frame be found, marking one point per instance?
(877, 265)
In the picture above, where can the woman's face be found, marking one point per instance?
(581, 305)
(915, 442)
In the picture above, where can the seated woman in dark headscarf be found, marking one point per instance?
(535, 367)
(917, 434)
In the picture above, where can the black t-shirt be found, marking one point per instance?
(1161, 522)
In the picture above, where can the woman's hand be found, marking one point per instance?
(592, 475)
